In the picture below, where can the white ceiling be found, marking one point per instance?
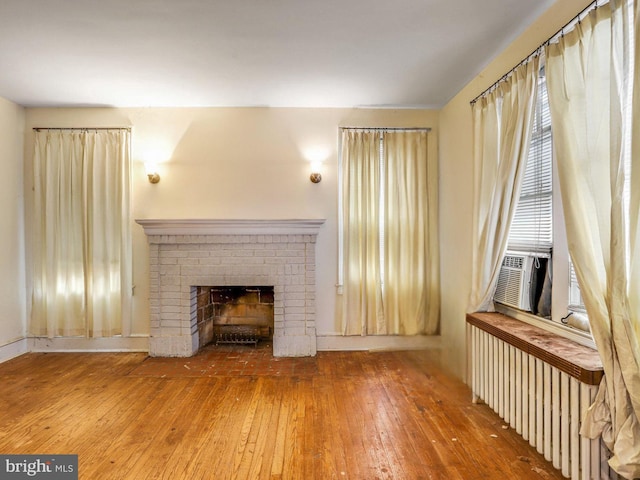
(294, 53)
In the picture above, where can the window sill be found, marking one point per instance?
(564, 331)
(577, 360)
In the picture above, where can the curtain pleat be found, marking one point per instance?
(589, 82)
(82, 255)
(502, 123)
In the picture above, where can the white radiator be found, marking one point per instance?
(542, 403)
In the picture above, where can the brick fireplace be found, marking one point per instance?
(186, 254)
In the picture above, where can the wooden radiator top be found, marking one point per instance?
(567, 356)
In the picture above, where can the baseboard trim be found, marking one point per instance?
(13, 349)
(329, 343)
(78, 344)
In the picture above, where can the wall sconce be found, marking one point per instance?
(316, 156)
(152, 172)
(316, 176)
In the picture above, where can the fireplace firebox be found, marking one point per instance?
(234, 314)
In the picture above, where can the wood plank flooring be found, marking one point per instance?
(340, 415)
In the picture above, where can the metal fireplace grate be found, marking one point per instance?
(237, 334)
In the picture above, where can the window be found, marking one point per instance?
(388, 233)
(82, 248)
(547, 283)
(576, 304)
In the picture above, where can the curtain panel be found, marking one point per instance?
(391, 266)
(590, 80)
(362, 293)
(502, 123)
(82, 246)
(411, 294)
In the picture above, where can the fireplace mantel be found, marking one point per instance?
(198, 226)
(187, 253)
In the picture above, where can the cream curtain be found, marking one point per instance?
(362, 291)
(502, 122)
(588, 81)
(82, 249)
(391, 289)
(411, 293)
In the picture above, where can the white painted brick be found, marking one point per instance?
(294, 289)
(171, 323)
(221, 253)
(274, 260)
(171, 288)
(295, 260)
(198, 253)
(189, 261)
(168, 310)
(174, 254)
(294, 310)
(172, 270)
(289, 295)
(170, 302)
(242, 253)
(296, 280)
(298, 332)
(171, 330)
(164, 280)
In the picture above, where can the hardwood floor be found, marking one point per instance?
(340, 415)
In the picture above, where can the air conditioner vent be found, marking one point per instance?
(508, 290)
(513, 261)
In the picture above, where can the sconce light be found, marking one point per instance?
(152, 172)
(316, 176)
(316, 156)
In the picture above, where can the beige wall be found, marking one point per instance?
(456, 183)
(232, 163)
(12, 272)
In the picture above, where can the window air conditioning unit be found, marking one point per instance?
(516, 281)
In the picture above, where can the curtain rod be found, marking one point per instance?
(592, 6)
(37, 129)
(389, 129)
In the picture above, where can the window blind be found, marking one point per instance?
(531, 229)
